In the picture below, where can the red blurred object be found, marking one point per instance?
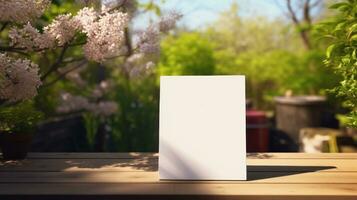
(257, 131)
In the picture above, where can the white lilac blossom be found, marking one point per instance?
(62, 29)
(59, 32)
(132, 61)
(19, 79)
(149, 66)
(105, 33)
(137, 65)
(86, 17)
(22, 11)
(29, 38)
(105, 36)
(168, 22)
(101, 89)
(148, 42)
(142, 70)
(129, 5)
(71, 103)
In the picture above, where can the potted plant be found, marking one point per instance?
(17, 126)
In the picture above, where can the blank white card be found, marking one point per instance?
(202, 128)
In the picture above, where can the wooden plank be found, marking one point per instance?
(239, 189)
(287, 164)
(80, 165)
(175, 197)
(270, 176)
(302, 155)
(155, 155)
(152, 177)
(60, 155)
(148, 164)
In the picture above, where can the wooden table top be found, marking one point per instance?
(135, 176)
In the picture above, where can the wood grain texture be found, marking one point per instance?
(152, 177)
(150, 164)
(134, 176)
(155, 155)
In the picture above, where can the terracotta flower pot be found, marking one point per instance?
(15, 146)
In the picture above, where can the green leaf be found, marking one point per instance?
(329, 50)
(353, 27)
(338, 5)
(340, 26)
(354, 37)
(354, 54)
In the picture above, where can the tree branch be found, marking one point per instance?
(22, 50)
(62, 75)
(72, 60)
(306, 10)
(304, 34)
(292, 12)
(4, 26)
(13, 49)
(128, 42)
(77, 44)
(56, 64)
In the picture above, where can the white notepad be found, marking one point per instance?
(202, 128)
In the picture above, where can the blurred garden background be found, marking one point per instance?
(298, 56)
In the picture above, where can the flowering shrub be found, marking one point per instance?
(18, 78)
(22, 11)
(100, 31)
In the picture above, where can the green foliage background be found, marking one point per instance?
(186, 54)
(269, 52)
(342, 53)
